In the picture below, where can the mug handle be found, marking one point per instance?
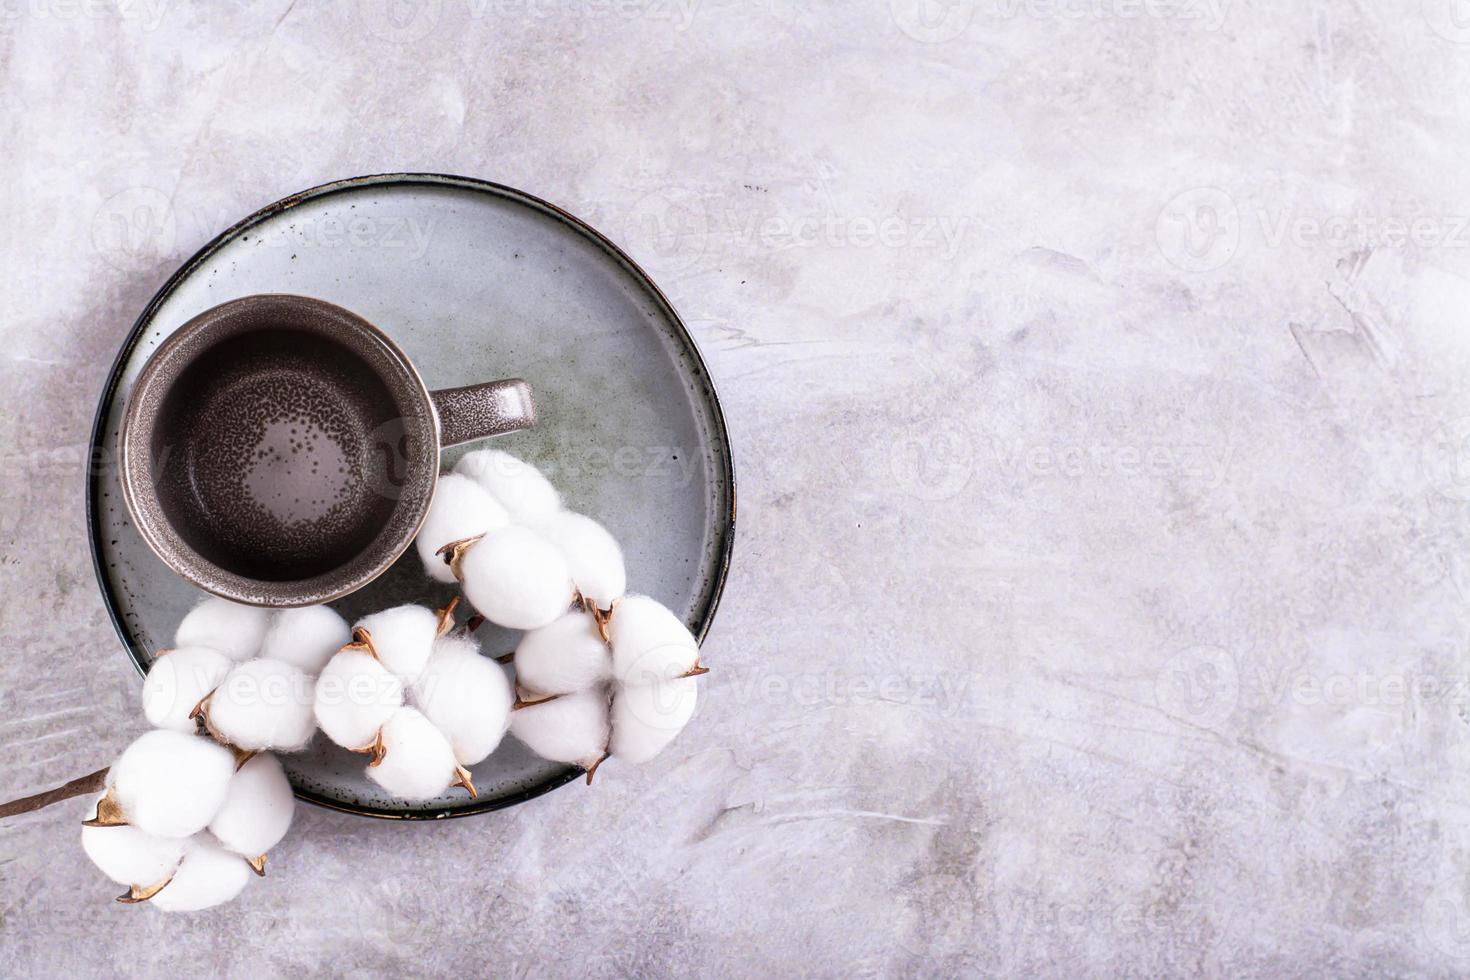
(484, 410)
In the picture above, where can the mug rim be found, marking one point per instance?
(158, 531)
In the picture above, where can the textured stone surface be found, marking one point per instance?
(1096, 375)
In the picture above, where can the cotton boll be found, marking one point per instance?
(354, 696)
(257, 810)
(208, 876)
(402, 638)
(521, 489)
(592, 555)
(129, 856)
(646, 718)
(306, 638)
(649, 642)
(169, 784)
(234, 630)
(466, 697)
(572, 728)
(563, 657)
(179, 680)
(461, 509)
(516, 578)
(263, 704)
(418, 761)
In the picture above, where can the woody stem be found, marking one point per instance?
(89, 783)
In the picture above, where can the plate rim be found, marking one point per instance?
(422, 179)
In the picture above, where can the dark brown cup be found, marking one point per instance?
(281, 451)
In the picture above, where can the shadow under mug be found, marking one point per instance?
(281, 451)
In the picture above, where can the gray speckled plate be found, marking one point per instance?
(475, 281)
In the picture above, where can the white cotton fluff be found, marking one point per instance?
(234, 630)
(649, 642)
(516, 578)
(461, 509)
(403, 637)
(169, 784)
(208, 876)
(572, 728)
(179, 680)
(306, 637)
(129, 856)
(466, 697)
(592, 555)
(418, 761)
(563, 657)
(258, 808)
(355, 695)
(646, 718)
(263, 705)
(521, 488)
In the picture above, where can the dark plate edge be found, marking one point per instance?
(109, 389)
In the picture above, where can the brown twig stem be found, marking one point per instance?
(90, 783)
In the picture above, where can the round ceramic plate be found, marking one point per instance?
(475, 281)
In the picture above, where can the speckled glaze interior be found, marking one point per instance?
(278, 450)
(473, 281)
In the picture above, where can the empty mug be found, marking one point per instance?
(282, 451)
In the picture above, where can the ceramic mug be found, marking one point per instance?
(282, 451)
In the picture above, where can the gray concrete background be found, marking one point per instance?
(1096, 374)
